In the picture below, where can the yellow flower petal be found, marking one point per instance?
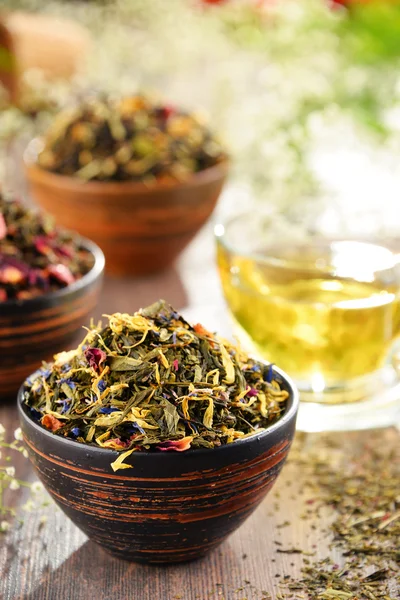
(119, 463)
(228, 364)
(209, 413)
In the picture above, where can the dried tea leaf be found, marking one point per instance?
(131, 138)
(150, 381)
(358, 479)
(36, 258)
(124, 363)
(171, 417)
(108, 420)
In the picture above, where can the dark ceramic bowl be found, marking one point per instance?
(35, 329)
(170, 507)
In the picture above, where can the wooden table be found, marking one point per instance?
(47, 557)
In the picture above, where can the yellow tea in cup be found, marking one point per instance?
(327, 312)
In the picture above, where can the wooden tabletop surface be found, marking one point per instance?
(44, 556)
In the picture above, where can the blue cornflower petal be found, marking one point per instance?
(132, 427)
(38, 373)
(65, 405)
(29, 380)
(106, 410)
(69, 382)
(268, 376)
(75, 431)
(193, 427)
(36, 415)
(102, 385)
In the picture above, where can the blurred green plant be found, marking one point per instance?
(371, 30)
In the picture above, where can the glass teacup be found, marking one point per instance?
(325, 311)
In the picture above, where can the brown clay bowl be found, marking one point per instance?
(8, 75)
(141, 229)
(57, 47)
(33, 330)
(170, 507)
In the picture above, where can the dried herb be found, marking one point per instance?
(325, 580)
(364, 491)
(9, 480)
(35, 257)
(128, 139)
(151, 381)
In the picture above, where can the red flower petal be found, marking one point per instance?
(251, 392)
(51, 422)
(95, 357)
(61, 273)
(176, 445)
(203, 331)
(115, 442)
(3, 227)
(166, 111)
(64, 250)
(42, 245)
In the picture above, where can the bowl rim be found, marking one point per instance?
(212, 173)
(52, 297)
(288, 416)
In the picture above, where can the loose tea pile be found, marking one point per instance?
(150, 381)
(128, 139)
(35, 257)
(364, 492)
(10, 481)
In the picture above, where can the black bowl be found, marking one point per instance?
(33, 330)
(170, 507)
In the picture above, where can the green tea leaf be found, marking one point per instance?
(108, 420)
(134, 391)
(171, 417)
(198, 374)
(123, 363)
(228, 364)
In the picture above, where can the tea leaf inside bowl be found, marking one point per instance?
(151, 381)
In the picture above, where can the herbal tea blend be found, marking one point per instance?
(151, 381)
(359, 479)
(35, 257)
(131, 138)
